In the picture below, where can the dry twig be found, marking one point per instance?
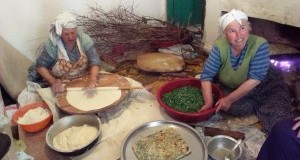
(123, 26)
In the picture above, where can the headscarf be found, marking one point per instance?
(64, 20)
(231, 16)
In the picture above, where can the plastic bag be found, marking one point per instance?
(29, 94)
(184, 50)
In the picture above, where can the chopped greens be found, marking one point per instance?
(184, 99)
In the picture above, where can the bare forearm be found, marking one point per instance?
(226, 102)
(94, 70)
(242, 90)
(206, 88)
(55, 84)
(44, 72)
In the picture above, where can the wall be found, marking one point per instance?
(286, 12)
(25, 24)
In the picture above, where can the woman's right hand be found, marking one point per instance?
(206, 106)
(296, 126)
(57, 86)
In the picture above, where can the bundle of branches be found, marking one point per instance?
(123, 26)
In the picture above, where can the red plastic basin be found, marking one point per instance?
(187, 117)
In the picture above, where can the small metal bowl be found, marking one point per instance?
(221, 145)
(70, 121)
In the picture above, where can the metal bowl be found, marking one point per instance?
(221, 145)
(70, 121)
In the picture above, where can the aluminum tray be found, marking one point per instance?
(189, 134)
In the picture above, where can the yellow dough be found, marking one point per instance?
(75, 138)
(81, 100)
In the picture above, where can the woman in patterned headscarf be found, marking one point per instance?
(239, 61)
(69, 53)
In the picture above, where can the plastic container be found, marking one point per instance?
(187, 117)
(38, 126)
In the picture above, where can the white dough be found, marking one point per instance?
(75, 138)
(81, 100)
(33, 115)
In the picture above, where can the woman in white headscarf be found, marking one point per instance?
(239, 62)
(68, 53)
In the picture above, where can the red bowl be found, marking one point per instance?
(38, 126)
(187, 117)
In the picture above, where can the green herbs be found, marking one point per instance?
(184, 99)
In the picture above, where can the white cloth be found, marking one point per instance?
(233, 15)
(121, 120)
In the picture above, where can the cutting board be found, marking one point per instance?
(104, 80)
(160, 62)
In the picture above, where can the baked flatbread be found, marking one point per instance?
(165, 144)
(160, 62)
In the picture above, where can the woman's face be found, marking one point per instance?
(69, 35)
(237, 34)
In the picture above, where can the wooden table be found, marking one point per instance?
(36, 145)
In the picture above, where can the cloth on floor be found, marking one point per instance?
(140, 107)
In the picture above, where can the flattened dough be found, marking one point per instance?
(82, 101)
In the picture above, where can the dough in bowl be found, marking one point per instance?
(75, 137)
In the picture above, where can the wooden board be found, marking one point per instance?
(160, 62)
(104, 80)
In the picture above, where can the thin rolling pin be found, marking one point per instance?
(210, 131)
(104, 88)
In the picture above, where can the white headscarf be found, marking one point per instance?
(64, 20)
(231, 16)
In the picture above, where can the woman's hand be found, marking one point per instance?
(206, 106)
(296, 126)
(89, 88)
(223, 104)
(57, 86)
(206, 88)
(91, 84)
(93, 78)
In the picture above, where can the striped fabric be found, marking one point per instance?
(257, 69)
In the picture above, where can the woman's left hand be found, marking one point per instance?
(89, 89)
(223, 104)
(297, 126)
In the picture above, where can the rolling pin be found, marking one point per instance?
(104, 88)
(210, 131)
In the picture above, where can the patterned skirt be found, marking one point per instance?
(270, 101)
